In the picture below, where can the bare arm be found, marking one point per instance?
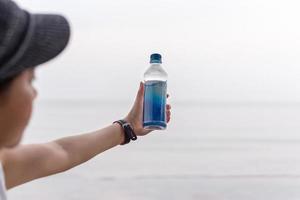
(28, 162)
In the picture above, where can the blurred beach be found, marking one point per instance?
(211, 151)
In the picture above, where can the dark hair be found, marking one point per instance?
(4, 84)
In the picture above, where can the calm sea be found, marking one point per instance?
(211, 151)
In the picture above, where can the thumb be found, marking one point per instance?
(140, 95)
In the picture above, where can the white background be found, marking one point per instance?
(213, 50)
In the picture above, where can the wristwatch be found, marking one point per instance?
(128, 131)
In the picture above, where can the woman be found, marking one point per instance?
(26, 41)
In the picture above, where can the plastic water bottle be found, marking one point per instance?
(155, 96)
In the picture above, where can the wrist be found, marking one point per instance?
(130, 121)
(128, 131)
(120, 131)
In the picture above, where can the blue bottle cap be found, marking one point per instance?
(155, 58)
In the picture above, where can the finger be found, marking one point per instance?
(168, 119)
(141, 90)
(140, 94)
(168, 113)
(169, 107)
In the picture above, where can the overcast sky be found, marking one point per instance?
(213, 50)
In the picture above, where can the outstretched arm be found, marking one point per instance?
(29, 162)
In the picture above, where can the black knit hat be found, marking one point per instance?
(28, 40)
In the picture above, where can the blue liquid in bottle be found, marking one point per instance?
(154, 117)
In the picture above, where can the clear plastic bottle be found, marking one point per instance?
(155, 96)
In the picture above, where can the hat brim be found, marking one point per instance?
(46, 37)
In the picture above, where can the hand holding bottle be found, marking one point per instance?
(135, 116)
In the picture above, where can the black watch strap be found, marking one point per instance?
(128, 131)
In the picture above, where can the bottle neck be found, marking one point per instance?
(155, 65)
(155, 62)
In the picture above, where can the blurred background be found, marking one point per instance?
(234, 82)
